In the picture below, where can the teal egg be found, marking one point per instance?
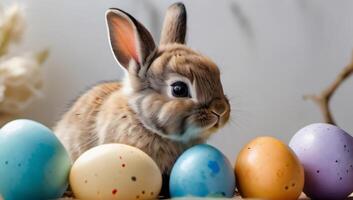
(33, 162)
(202, 171)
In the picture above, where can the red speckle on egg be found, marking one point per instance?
(114, 191)
(123, 165)
(120, 157)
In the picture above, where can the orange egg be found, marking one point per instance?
(267, 168)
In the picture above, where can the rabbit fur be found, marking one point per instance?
(143, 110)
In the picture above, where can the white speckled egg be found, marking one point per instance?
(115, 171)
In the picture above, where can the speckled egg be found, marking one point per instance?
(202, 171)
(326, 153)
(115, 171)
(266, 168)
(33, 163)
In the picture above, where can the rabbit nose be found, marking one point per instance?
(218, 107)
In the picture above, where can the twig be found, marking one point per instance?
(323, 99)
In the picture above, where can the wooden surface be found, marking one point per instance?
(302, 197)
(235, 198)
(195, 198)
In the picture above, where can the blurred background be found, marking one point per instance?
(270, 53)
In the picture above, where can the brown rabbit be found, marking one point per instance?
(171, 98)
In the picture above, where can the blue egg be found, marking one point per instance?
(202, 171)
(33, 162)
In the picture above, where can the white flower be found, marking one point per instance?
(21, 82)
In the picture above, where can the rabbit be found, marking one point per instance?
(170, 99)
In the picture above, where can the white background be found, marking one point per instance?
(270, 53)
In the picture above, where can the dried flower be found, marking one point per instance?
(21, 82)
(21, 79)
(12, 26)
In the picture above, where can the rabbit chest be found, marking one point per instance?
(116, 122)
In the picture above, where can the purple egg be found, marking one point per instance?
(326, 153)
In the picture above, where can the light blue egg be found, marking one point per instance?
(33, 162)
(202, 171)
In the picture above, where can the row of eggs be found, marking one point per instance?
(35, 165)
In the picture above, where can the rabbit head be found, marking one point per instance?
(175, 91)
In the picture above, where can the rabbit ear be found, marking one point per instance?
(174, 26)
(129, 39)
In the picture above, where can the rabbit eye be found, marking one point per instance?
(180, 89)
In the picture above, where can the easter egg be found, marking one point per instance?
(115, 171)
(202, 171)
(266, 168)
(33, 163)
(326, 152)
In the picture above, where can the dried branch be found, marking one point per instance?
(242, 19)
(323, 99)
